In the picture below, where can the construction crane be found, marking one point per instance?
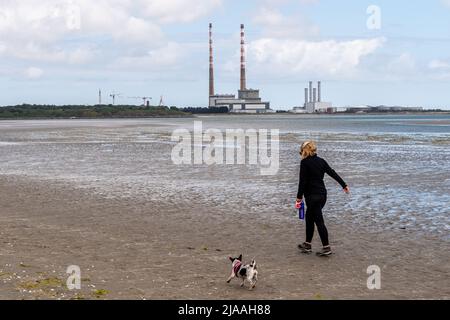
(114, 96)
(145, 100)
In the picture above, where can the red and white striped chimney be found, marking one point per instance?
(211, 63)
(243, 77)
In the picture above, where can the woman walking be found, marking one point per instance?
(312, 187)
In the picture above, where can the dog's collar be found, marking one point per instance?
(237, 267)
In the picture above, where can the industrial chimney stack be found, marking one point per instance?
(310, 91)
(243, 77)
(306, 96)
(313, 100)
(319, 92)
(211, 63)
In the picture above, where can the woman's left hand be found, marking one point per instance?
(298, 203)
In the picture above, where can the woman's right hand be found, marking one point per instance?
(347, 190)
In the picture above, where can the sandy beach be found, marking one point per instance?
(134, 250)
(152, 238)
(146, 145)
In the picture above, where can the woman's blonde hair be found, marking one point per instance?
(308, 149)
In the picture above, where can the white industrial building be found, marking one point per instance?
(313, 101)
(248, 100)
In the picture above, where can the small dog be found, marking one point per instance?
(245, 272)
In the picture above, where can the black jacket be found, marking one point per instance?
(312, 171)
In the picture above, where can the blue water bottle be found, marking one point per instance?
(301, 211)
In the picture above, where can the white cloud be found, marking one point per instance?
(439, 69)
(33, 51)
(446, 3)
(275, 24)
(52, 20)
(404, 65)
(61, 31)
(26, 20)
(281, 2)
(308, 1)
(170, 11)
(81, 55)
(136, 30)
(439, 65)
(33, 73)
(156, 59)
(117, 20)
(325, 58)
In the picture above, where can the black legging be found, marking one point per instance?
(314, 206)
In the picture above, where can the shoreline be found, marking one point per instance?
(128, 248)
(101, 118)
(235, 115)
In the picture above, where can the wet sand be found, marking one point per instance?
(131, 248)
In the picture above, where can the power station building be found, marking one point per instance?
(313, 101)
(248, 100)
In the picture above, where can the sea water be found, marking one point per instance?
(397, 166)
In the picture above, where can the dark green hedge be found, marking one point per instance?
(76, 111)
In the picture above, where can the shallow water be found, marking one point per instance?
(398, 167)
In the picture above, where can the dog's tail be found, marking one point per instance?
(253, 264)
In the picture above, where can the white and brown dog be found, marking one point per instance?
(243, 271)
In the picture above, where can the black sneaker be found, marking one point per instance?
(305, 247)
(326, 251)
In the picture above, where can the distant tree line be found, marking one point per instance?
(198, 110)
(80, 111)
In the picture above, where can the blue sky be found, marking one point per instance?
(54, 51)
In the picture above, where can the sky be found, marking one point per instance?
(365, 52)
